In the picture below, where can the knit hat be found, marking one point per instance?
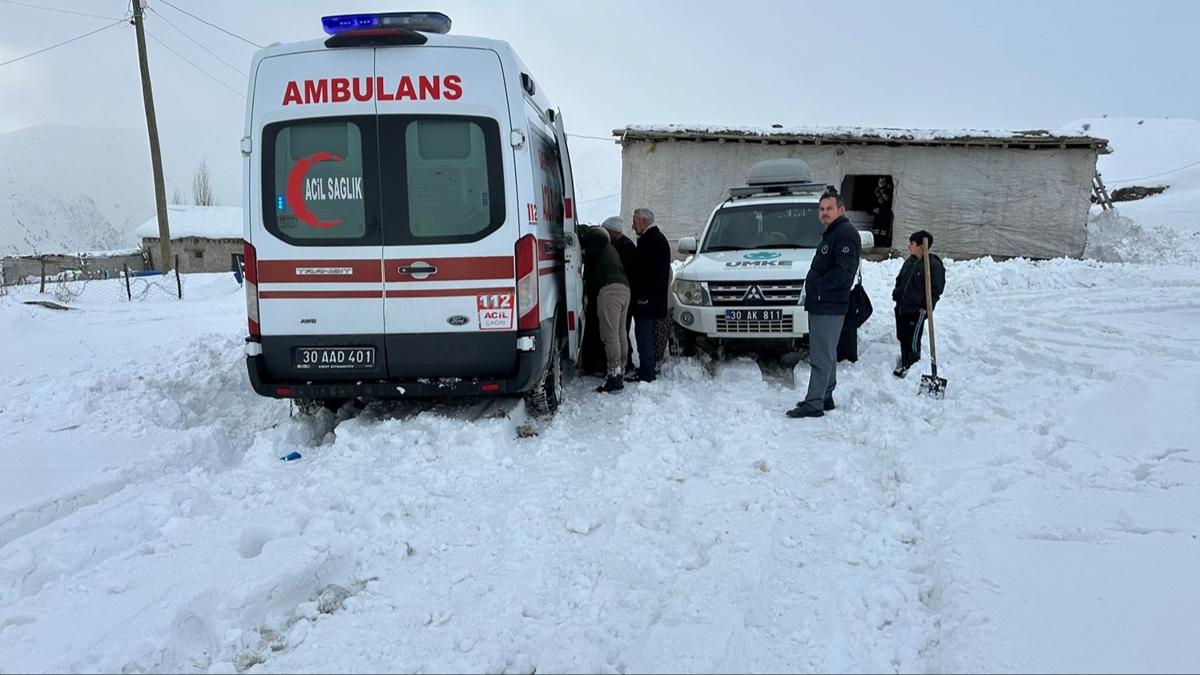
(613, 224)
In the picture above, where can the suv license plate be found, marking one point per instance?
(754, 315)
(333, 358)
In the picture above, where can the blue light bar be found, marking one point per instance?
(424, 22)
(340, 24)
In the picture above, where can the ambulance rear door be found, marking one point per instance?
(448, 212)
(314, 215)
(573, 253)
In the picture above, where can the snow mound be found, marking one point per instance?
(1113, 237)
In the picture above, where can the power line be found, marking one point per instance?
(64, 11)
(209, 75)
(599, 199)
(611, 139)
(1157, 175)
(213, 54)
(211, 24)
(67, 42)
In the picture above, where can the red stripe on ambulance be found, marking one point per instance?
(318, 271)
(318, 295)
(452, 269)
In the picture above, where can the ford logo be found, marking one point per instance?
(762, 255)
(457, 320)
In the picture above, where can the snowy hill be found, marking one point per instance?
(72, 189)
(1152, 152)
(85, 188)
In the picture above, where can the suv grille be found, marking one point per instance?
(769, 292)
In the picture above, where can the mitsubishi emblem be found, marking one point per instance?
(753, 293)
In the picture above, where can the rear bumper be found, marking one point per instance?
(529, 367)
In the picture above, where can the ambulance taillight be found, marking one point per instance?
(250, 261)
(527, 282)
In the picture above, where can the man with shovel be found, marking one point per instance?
(909, 295)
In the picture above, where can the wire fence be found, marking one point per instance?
(76, 287)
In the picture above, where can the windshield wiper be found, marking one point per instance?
(711, 249)
(783, 246)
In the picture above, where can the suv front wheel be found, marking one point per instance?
(683, 342)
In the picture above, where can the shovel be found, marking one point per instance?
(931, 385)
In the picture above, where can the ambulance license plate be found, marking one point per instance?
(754, 315)
(333, 358)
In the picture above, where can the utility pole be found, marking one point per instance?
(160, 192)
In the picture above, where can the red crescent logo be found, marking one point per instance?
(295, 190)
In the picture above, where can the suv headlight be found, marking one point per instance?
(691, 292)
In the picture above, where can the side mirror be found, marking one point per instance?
(687, 245)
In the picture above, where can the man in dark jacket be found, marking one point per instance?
(826, 300)
(602, 272)
(652, 275)
(628, 251)
(909, 295)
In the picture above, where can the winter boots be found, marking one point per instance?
(802, 410)
(611, 385)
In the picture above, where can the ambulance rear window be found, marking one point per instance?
(442, 180)
(317, 179)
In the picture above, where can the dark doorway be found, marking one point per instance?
(869, 200)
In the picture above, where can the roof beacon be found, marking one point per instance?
(424, 22)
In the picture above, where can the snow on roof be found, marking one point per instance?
(208, 222)
(873, 135)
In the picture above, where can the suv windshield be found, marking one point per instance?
(764, 226)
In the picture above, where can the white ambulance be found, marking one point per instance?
(409, 218)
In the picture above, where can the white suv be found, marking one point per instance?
(744, 282)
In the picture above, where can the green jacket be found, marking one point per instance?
(601, 262)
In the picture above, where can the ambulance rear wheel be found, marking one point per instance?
(309, 407)
(543, 400)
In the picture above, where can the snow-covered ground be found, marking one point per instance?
(1042, 517)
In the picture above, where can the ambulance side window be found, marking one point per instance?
(442, 179)
(314, 184)
(547, 178)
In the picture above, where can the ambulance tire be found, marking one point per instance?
(309, 407)
(543, 400)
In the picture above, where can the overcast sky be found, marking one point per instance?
(917, 63)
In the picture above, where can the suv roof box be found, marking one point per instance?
(778, 176)
(779, 172)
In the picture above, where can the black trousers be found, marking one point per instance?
(909, 327)
(847, 346)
